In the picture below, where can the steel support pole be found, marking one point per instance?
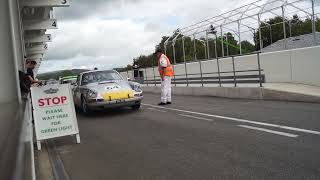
(227, 45)
(219, 75)
(215, 47)
(270, 31)
(194, 48)
(195, 57)
(184, 60)
(154, 75)
(222, 47)
(218, 66)
(313, 23)
(234, 72)
(165, 49)
(260, 36)
(145, 72)
(205, 51)
(290, 29)
(207, 41)
(239, 33)
(201, 73)
(259, 68)
(284, 28)
(174, 62)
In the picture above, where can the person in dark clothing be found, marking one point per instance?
(25, 83)
(30, 65)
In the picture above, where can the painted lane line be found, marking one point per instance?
(269, 131)
(196, 117)
(153, 109)
(240, 120)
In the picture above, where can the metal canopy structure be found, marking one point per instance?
(249, 19)
(36, 18)
(23, 34)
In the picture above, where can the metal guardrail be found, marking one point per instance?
(16, 146)
(219, 77)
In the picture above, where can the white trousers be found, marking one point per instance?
(166, 89)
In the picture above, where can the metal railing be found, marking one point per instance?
(249, 76)
(16, 144)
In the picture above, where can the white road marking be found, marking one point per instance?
(153, 109)
(195, 117)
(240, 120)
(269, 131)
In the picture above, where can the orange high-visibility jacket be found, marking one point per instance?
(165, 71)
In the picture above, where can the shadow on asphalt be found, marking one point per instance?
(112, 112)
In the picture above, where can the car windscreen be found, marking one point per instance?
(99, 76)
(71, 81)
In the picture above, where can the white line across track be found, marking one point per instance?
(201, 118)
(269, 131)
(159, 110)
(238, 120)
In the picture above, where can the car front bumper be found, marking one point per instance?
(102, 104)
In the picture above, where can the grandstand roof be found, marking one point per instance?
(301, 41)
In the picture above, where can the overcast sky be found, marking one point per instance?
(110, 33)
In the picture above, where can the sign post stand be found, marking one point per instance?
(78, 138)
(54, 112)
(39, 145)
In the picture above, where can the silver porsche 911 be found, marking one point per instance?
(105, 89)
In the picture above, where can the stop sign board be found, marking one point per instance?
(54, 111)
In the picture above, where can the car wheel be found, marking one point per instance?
(136, 106)
(84, 106)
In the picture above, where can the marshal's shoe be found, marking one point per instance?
(161, 104)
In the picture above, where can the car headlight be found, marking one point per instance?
(92, 93)
(137, 88)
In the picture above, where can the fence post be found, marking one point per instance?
(128, 73)
(184, 59)
(234, 72)
(207, 46)
(145, 72)
(154, 76)
(259, 68)
(222, 47)
(313, 23)
(219, 71)
(139, 78)
(173, 66)
(260, 36)
(194, 47)
(239, 33)
(284, 27)
(201, 75)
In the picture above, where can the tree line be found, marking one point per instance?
(271, 31)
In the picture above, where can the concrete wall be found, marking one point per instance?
(10, 90)
(276, 66)
(239, 93)
(305, 66)
(291, 66)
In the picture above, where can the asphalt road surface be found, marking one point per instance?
(197, 138)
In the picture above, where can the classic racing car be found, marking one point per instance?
(105, 89)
